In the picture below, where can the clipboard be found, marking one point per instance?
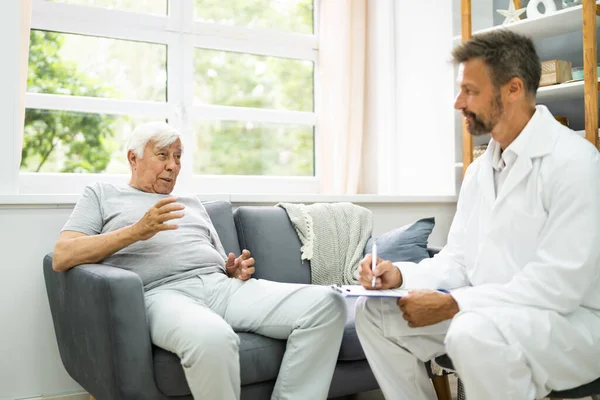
(358, 291)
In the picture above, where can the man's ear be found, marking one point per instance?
(132, 158)
(516, 88)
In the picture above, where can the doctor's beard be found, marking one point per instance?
(477, 125)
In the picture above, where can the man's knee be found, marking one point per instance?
(367, 314)
(208, 343)
(337, 304)
(329, 308)
(466, 332)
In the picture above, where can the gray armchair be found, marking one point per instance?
(103, 337)
(100, 324)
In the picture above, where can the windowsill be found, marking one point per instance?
(357, 198)
(71, 199)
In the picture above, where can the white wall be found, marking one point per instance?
(409, 119)
(9, 97)
(29, 360)
(414, 135)
(425, 143)
(377, 174)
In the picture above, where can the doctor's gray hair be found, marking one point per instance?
(159, 132)
(507, 55)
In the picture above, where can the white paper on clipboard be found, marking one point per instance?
(358, 290)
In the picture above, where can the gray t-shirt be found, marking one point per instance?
(168, 256)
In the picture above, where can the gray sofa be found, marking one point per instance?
(102, 333)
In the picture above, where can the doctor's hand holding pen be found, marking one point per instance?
(386, 275)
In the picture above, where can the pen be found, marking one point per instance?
(374, 263)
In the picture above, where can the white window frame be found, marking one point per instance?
(181, 34)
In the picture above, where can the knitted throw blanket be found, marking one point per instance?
(333, 238)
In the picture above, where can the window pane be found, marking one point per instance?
(248, 80)
(286, 15)
(79, 65)
(143, 6)
(64, 141)
(250, 148)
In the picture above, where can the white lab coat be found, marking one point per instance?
(529, 258)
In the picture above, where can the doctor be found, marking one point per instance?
(522, 261)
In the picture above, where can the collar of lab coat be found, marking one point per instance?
(502, 159)
(535, 140)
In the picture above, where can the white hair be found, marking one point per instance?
(158, 132)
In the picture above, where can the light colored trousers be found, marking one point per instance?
(196, 319)
(534, 352)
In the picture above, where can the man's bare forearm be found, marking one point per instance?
(70, 252)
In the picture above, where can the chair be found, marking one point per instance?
(589, 389)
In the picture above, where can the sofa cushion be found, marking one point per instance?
(407, 243)
(221, 215)
(351, 349)
(260, 358)
(269, 235)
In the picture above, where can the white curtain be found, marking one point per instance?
(23, 58)
(341, 102)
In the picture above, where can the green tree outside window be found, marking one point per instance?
(79, 142)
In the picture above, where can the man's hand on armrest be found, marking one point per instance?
(75, 248)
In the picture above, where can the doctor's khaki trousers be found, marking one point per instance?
(515, 353)
(197, 319)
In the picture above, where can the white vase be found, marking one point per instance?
(532, 8)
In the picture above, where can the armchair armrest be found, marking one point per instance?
(101, 328)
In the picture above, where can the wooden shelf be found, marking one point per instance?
(563, 91)
(558, 23)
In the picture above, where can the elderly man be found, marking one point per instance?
(196, 296)
(522, 262)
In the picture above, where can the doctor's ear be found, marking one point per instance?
(515, 86)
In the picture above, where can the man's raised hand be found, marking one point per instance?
(154, 220)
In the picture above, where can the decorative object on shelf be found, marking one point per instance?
(533, 8)
(577, 73)
(570, 3)
(555, 71)
(478, 151)
(562, 120)
(511, 14)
